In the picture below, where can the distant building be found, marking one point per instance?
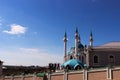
(104, 55)
(54, 66)
(1, 64)
(81, 56)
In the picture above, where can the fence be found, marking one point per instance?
(22, 77)
(90, 74)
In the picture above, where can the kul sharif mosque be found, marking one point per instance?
(89, 56)
(76, 58)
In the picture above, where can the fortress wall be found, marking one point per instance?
(115, 74)
(75, 76)
(29, 78)
(37, 78)
(12, 78)
(97, 75)
(17, 78)
(57, 77)
(6, 78)
(91, 74)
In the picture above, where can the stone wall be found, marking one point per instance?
(22, 77)
(75, 76)
(91, 74)
(115, 74)
(57, 77)
(95, 75)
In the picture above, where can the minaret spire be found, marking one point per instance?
(76, 42)
(91, 40)
(65, 46)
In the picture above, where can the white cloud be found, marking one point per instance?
(16, 29)
(29, 50)
(30, 56)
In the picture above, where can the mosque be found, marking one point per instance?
(88, 56)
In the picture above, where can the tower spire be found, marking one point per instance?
(91, 40)
(65, 35)
(65, 46)
(76, 32)
(76, 42)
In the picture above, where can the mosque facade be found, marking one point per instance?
(90, 56)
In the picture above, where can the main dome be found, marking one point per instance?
(73, 64)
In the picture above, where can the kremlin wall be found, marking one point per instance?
(90, 74)
(84, 74)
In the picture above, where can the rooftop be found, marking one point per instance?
(110, 45)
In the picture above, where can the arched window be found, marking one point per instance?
(111, 59)
(78, 67)
(71, 57)
(68, 67)
(95, 59)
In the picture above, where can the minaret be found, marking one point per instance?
(91, 40)
(65, 46)
(76, 43)
(79, 39)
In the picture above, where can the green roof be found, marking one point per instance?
(40, 74)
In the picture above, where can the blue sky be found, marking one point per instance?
(31, 31)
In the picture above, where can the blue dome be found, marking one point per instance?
(80, 45)
(73, 63)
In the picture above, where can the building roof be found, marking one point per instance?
(110, 45)
(40, 74)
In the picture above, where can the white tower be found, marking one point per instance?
(79, 39)
(91, 40)
(76, 43)
(65, 46)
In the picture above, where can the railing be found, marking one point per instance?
(21, 77)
